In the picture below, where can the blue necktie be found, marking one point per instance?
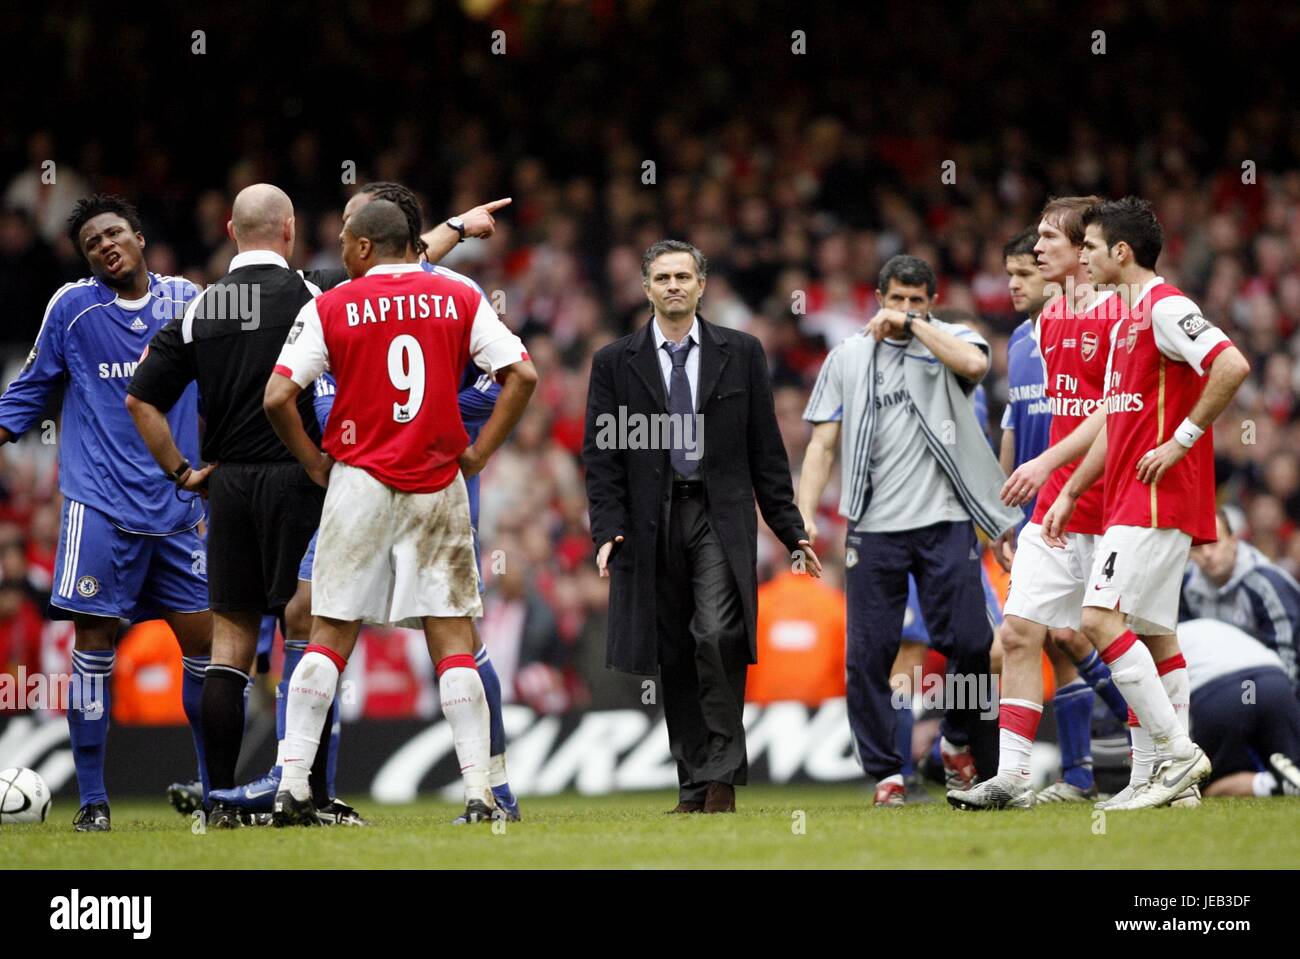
(679, 402)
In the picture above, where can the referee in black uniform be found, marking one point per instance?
(263, 507)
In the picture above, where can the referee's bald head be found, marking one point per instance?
(262, 219)
(376, 233)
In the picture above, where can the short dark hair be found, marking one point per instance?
(658, 249)
(909, 271)
(1066, 214)
(1132, 221)
(383, 223)
(407, 202)
(1022, 244)
(92, 206)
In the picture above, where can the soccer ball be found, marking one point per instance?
(24, 796)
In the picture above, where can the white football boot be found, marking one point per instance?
(1120, 798)
(1061, 791)
(1171, 779)
(1000, 792)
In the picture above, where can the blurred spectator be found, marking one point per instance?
(800, 641)
(147, 677)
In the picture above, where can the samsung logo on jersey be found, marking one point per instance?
(413, 306)
(113, 371)
(887, 400)
(1020, 394)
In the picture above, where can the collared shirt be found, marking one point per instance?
(228, 341)
(692, 358)
(257, 258)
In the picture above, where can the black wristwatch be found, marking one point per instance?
(457, 224)
(907, 323)
(178, 474)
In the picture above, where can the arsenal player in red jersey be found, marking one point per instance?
(1171, 374)
(395, 537)
(1047, 585)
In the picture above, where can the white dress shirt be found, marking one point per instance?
(692, 359)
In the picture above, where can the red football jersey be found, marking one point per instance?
(397, 341)
(1074, 347)
(1158, 359)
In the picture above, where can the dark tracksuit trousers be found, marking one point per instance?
(1240, 731)
(944, 558)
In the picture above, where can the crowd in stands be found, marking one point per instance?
(797, 195)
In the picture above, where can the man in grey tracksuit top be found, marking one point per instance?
(917, 478)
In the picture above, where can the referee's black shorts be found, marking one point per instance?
(261, 517)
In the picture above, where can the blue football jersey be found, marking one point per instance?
(1027, 409)
(90, 344)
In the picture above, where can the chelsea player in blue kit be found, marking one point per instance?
(128, 547)
(477, 396)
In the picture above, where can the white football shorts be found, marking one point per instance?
(1139, 571)
(384, 555)
(1047, 584)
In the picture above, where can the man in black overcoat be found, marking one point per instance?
(681, 439)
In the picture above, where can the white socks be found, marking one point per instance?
(1134, 672)
(1144, 756)
(1017, 729)
(465, 705)
(311, 694)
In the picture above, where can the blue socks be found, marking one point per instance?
(492, 689)
(1073, 705)
(903, 737)
(1097, 675)
(192, 670)
(293, 651)
(497, 728)
(88, 714)
(332, 760)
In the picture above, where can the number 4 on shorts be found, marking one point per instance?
(1109, 568)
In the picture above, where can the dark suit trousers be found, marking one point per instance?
(703, 651)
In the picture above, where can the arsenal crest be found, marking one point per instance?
(1089, 345)
(1132, 337)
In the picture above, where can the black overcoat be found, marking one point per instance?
(743, 460)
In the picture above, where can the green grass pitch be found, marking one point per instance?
(786, 827)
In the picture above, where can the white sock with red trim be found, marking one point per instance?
(1017, 727)
(1134, 672)
(1178, 687)
(464, 703)
(307, 704)
(1142, 752)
